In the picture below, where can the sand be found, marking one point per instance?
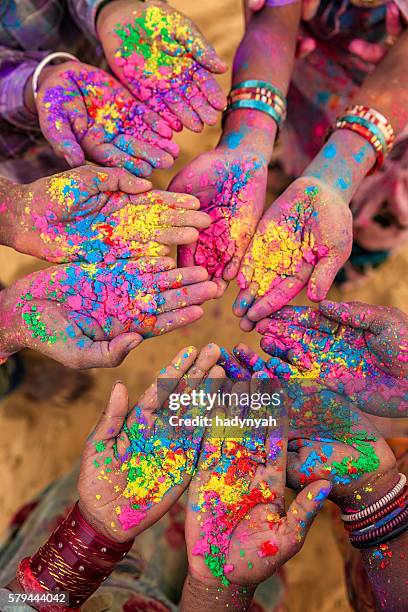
(41, 439)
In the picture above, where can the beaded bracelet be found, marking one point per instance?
(76, 559)
(258, 95)
(381, 503)
(399, 501)
(372, 126)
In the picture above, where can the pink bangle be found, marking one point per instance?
(76, 559)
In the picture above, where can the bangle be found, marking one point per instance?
(399, 501)
(385, 533)
(368, 529)
(372, 126)
(278, 3)
(29, 584)
(384, 501)
(260, 96)
(44, 62)
(76, 559)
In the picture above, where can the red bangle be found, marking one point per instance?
(365, 133)
(30, 584)
(399, 501)
(76, 559)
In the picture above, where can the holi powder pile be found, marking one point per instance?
(91, 232)
(279, 251)
(158, 458)
(229, 211)
(94, 99)
(152, 59)
(96, 297)
(226, 497)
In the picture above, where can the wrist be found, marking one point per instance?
(368, 493)
(249, 130)
(201, 595)
(100, 527)
(10, 199)
(9, 329)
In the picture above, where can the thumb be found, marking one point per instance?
(353, 314)
(304, 508)
(256, 5)
(109, 354)
(64, 141)
(113, 417)
(322, 278)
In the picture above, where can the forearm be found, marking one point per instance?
(6, 212)
(386, 89)
(386, 567)
(266, 53)
(198, 596)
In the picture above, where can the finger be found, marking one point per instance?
(109, 155)
(179, 106)
(207, 358)
(113, 417)
(110, 354)
(210, 89)
(233, 369)
(322, 277)
(169, 321)
(301, 316)
(197, 293)
(369, 52)
(143, 150)
(201, 50)
(164, 111)
(186, 218)
(181, 277)
(206, 112)
(355, 314)
(101, 180)
(305, 47)
(248, 358)
(63, 141)
(244, 300)
(279, 296)
(393, 21)
(172, 200)
(188, 235)
(256, 5)
(303, 510)
(157, 124)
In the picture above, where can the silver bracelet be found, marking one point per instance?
(44, 62)
(347, 518)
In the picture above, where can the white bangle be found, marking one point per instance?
(44, 62)
(369, 510)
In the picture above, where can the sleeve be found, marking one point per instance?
(84, 13)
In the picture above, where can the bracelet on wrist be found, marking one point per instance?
(381, 503)
(76, 559)
(372, 126)
(52, 57)
(258, 95)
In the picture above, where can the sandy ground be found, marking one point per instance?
(40, 439)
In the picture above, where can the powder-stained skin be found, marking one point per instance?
(164, 60)
(85, 112)
(74, 216)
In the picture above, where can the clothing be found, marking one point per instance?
(323, 84)
(149, 579)
(30, 30)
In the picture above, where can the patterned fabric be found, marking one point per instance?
(30, 30)
(149, 579)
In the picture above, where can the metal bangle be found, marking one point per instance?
(44, 62)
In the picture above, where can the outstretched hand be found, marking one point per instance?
(164, 60)
(302, 240)
(135, 465)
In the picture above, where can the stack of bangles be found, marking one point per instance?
(382, 521)
(372, 126)
(75, 561)
(260, 96)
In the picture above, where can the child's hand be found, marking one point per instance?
(93, 214)
(356, 349)
(85, 113)
(237, 529)
(71, 312)
(303, 239)
(136, 465)
(231, 188)
(164, 60)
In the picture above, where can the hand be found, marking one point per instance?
(164, 60)
(93, 214)
(135, 464)
(83, 315)
(231, 187)
(303, 239)
(237, 530)
(358, 350)
(328, 437)
(86, 113)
